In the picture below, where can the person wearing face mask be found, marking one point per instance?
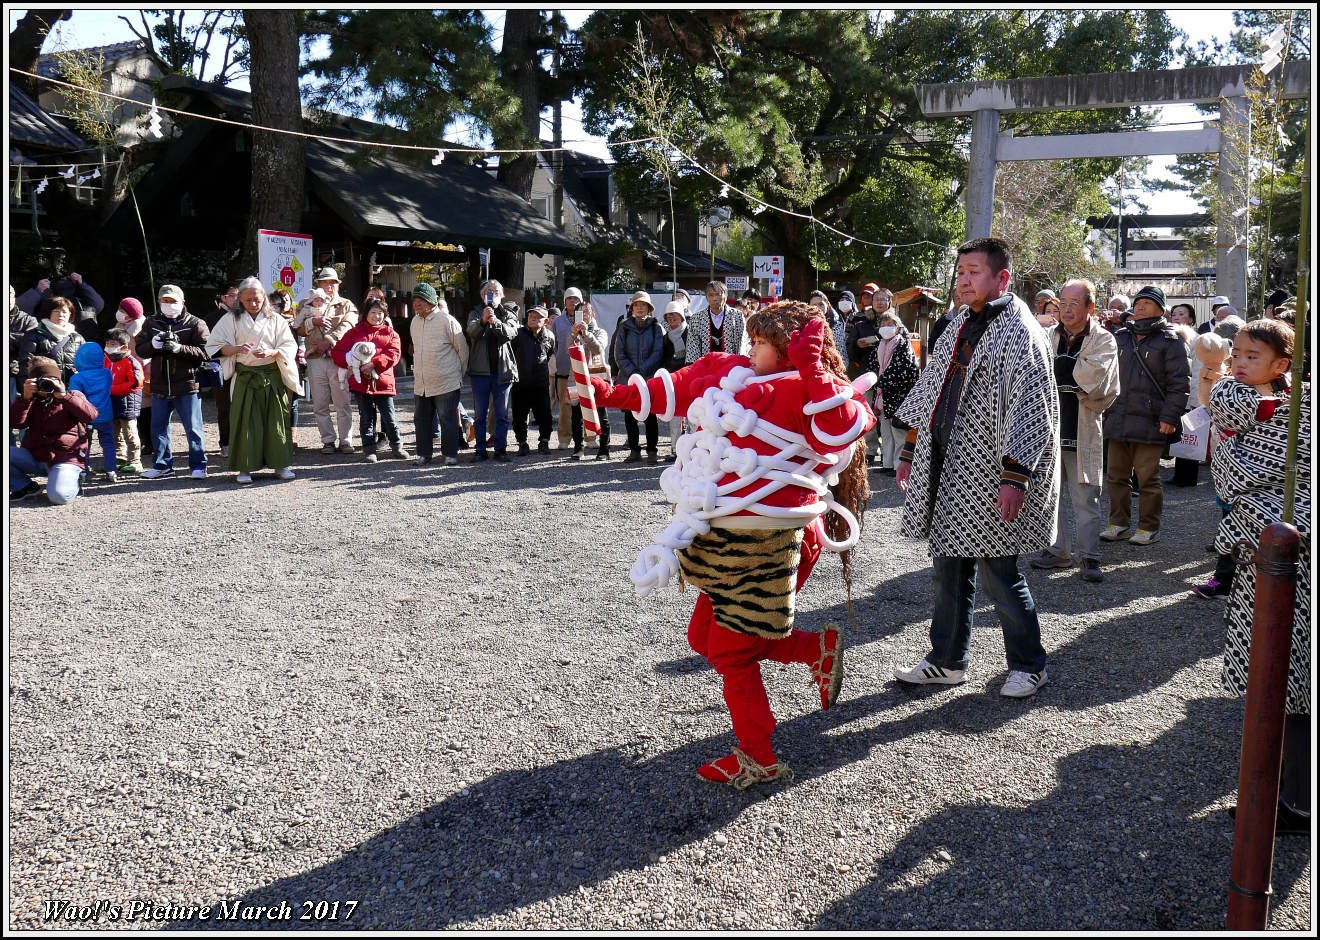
(125, 398)
(257, 350)
(492, 366)
(896, 366)
(55, 336)
(1154, 382)
(175, 342)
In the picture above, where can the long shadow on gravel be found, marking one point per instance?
(523, 836)
(1124, 841)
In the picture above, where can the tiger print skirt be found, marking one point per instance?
(749, 576)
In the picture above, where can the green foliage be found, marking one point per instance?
(740, 243)
(1040, 210)
(802, 108)
(93, 115)
(602, 266)
(423, 69)
(181, 42)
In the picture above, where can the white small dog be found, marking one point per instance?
(360, 355)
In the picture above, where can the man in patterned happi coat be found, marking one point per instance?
(981, 469)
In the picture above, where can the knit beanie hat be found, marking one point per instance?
(426, 292)
(43, 367)
(1151, 293)
(130, 308)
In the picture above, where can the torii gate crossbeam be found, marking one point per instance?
(1224, 85)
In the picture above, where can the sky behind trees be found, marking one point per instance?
(103, 26)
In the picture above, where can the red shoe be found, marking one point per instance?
(740, 771)
(827, 671)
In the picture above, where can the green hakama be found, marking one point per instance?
(259, 420)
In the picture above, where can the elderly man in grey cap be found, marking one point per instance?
(1220, 307)
(322, 327)
(1043, 296)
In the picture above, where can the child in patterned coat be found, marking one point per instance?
(1250, 470)
(774, 471)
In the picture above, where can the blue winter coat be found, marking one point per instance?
(93, 379)
(639, 347)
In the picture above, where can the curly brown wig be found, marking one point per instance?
(775, 324)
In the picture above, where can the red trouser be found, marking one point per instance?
(737, 658)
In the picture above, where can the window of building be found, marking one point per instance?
(542, 205)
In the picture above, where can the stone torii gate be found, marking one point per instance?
(1222, 85)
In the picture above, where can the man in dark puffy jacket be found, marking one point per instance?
(175, 342)
(1154, 379)
(640, 348)
(533, 348)
(490, 331)
(19, 323)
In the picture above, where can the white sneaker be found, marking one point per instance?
(155, 473)
(1114, 533)
(923, 673)
(1023, 684)
(199, 473)
(245, 478)
(1144, 537)
(287, 473)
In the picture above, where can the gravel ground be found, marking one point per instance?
(398, 687)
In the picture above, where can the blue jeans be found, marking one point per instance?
(955, 603)
(63, 480)
(105, 433)
(189, 409)
(369, 406)
(484, 388)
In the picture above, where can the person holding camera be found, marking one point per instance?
(175, 342)
(562, 330)
(56, 422)
(490, 331)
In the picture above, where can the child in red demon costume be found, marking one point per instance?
(773, 472)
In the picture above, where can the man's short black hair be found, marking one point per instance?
(995, 249)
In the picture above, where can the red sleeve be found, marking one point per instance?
(387, 358)
(81, 408)
(839, 427)
(689, 384)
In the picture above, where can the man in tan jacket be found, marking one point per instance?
(1086, 371)
(440, 357)
(322, 325)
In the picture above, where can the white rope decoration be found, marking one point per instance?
(706, 454)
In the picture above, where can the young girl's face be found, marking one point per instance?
(1255, 363)
(765, 358)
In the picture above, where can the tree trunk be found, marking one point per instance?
(795, 244)
(25, 44)
(277, 159)
(522, 74)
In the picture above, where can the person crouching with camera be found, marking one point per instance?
(55, 445)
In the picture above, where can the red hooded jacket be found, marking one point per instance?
(388, 353)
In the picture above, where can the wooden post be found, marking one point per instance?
(1262, 730)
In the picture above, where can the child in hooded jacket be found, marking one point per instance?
(125, 398)
(93, 379)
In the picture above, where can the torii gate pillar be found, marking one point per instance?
(981, 173)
